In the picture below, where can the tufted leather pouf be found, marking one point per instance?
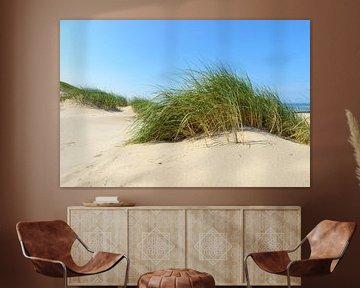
(176, 278)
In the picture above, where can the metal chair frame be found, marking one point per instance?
(23, 249)
(288, 276)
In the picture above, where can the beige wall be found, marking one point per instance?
(29, 111)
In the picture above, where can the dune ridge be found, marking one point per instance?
(93, 154)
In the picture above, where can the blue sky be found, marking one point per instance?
(135, 57)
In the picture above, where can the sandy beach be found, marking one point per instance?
(93, 154)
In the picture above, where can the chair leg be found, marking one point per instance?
(65, 276)
(246, 270)
(127, 271)
(288, 278)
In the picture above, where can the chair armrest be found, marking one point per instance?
(298, 246)
(268, 253)
(309, 267)
(271, 261)
(48, 267)
(83, 244)
(45, 260)
(280, 251)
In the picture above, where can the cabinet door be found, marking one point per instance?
(214, 244)
(156, 240)
(101, 230)
(270, 230)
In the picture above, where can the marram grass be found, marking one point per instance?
(139, 104)
(354, 140)
(215, 100)
(92, 97)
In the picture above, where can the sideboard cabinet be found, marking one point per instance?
(211, 239)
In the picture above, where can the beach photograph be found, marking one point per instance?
(184, 103)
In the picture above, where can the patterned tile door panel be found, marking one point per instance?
(214, 244)
(101, 230)
(210, 239)
(270, 230)
(156, 241)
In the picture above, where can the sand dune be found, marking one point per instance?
(93, 154)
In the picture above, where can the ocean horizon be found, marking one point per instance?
(300, 107)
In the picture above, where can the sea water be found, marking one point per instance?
(300, 107)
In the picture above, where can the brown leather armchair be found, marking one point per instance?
(48, 245)
(328, 242)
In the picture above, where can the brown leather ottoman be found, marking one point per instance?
(176, 278)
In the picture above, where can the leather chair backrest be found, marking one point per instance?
(329, 239)
(46, 239)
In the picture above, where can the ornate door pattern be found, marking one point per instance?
(214, 239)
(101, 230)
(210, 239)
(271, 230)
(156, 240)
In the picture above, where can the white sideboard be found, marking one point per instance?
(211, 239)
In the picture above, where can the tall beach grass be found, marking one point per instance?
(138, 104)
(354, 140)
(212, 101)
(93, 97)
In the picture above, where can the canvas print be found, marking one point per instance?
(185, 103)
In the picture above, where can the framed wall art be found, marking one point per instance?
(185, 103)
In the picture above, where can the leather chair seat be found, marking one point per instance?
(273, 262)
(48, 245)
